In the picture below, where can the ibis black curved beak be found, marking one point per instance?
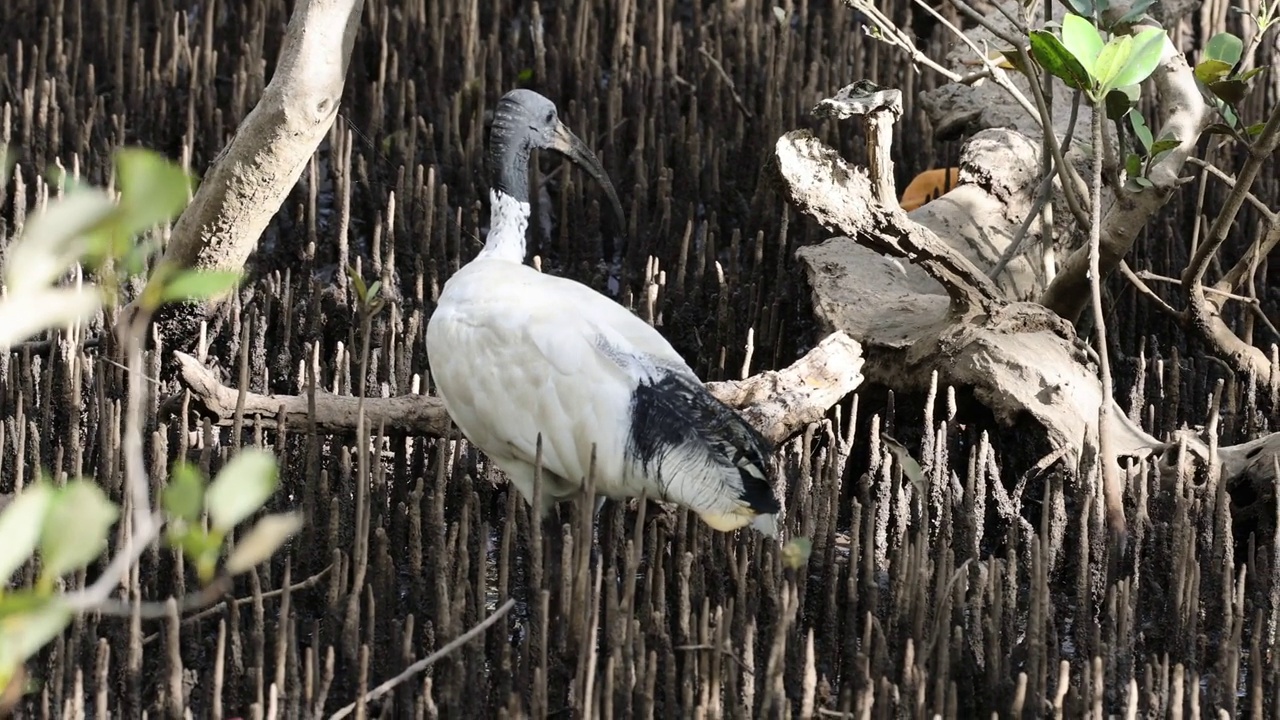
(568, 144)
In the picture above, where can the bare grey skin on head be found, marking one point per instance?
(524, 120)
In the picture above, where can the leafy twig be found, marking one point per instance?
(145, 525)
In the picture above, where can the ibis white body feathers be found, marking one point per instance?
(516, 353)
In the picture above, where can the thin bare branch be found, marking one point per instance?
(1148, 275)
(428, 661)
(1230, 182)
(997, 74)
(890, 34)
(156, 610)
(1138, 283)
(728, 81)
(144, 526)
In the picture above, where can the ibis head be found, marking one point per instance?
(524, 120)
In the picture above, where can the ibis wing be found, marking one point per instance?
(521, 356)
(537, 354)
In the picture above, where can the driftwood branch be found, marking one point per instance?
(1022, 360)
(879, 109)
(820, 183)
(779, 404)
(416, 414)
(250, 179)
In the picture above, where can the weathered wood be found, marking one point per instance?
(779, 404)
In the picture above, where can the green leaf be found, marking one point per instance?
(23, 634)
(1051, 55)
(267, 536)
(201, 547)
(1111, 61)
(1139, 125)
(1121, 100)
(183, 497)
(357, 282)
(1248, 75)
(1224, 47)
(1133, 165)
(1143, 58)
(1163, 145)
(524, 75)
(20, 601)
(1211, 71)
(20, 526)
(153, 190)
(1084, 8)
(1009, 58)
(1228, 113)
(1083, 41)
(1230, 91)
(75, 531)
(1255, 129)
(198, 285)
(796, 552)
(1137, 10)
(243, 485)
(54, 239)
(40, 310)
(374, 288)
(1218, 129)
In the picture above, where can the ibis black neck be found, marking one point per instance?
(508, 156)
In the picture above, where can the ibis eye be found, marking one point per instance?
(551, 117)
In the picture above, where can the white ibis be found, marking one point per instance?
(515, 352)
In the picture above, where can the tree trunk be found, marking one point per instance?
(241, 192)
